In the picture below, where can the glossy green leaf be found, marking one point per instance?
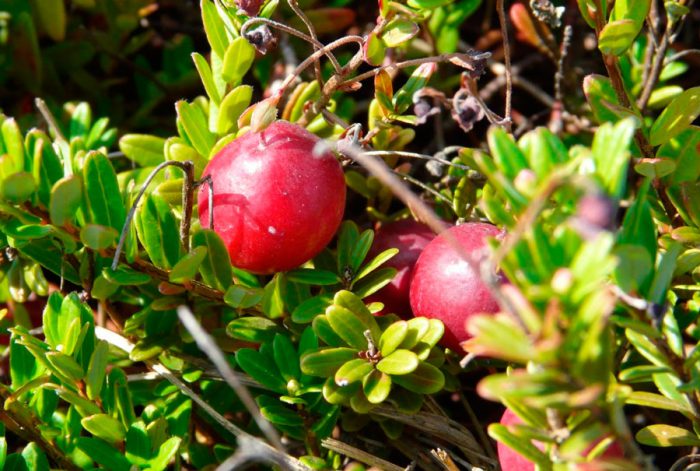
(206, 76)
(104, 454)
(312, 276)
(66, 197)
(676, 117)
(166, 452)
(657, 401)
(425, 379)
(66, 366)
(98, 237)
(398, 31)
(306, 311)
(353, 303)
(684, 151)
(214, 28)
(104, 203)
(238, 58)
(14, 148)
(325, 332)
(243, 297)
(143, 149)
(373, 282)
(334, 394)
(617, 36)
(261, 368)
(375, 263)
(286, 357)
(400, 362)
(195, 125)
(47, 167)
(419, 78)
(325, 362)
(177, 149)
(352, 371)
(276, 413)
(252, 329)
(664, 273)
(94, 379)
(376, 386)
(347, 326)
(392, 337)
(158, 231)
(599, 92)
(138, 444)
(188, 266)
(232, 107)
(374, 49)
(666, 435)
(34, 458)
(611, 154)
(216, 267)
(18, 187)
(417, 328)
(521, 445)
(105, 427)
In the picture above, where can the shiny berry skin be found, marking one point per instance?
(510, 460)
(410, 237)
(445, 287)
(276, 203)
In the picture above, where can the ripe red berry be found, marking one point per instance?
(410, 237)
(444, 285)
(277, 203)
(510, 460)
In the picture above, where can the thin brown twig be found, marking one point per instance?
(295, 8)
(500, 8)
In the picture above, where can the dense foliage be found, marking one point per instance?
(130, 340)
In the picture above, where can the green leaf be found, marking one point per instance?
(521, 445)
(276, 413)
(243, 297)
(334, 394)
(322, 328)
(647, 348)
(94, 379)
(238, 58)
(506, 153)
(425, 379)
(273, 297)
(392, 337)
(195, 125)
(373, 282)
(374, 49)
(376, 386)
(617, 36)
(65, 365)
(101, 192)
(676, 117)
(400, 362)
(143, 149)
(158, 231)
(214, 28)
(352, 371)
(262, 369)
(188, 266)
(500, 337)
(375, 263)
(398, 31)
(34, 458)
(232, 106)
(666, 435)
(657, 401)
(611, 154)
(206, 76)
(216, 268)
(47, 167)
(347, 326)
(684, 151)
(98, 237)
(138, 444)
(66, 196)
(599, 93)
(18, 187)
(14, 148)
(286, 357)
(125, 275)
(103, 453)
(325, 362)
(166, 452)
(417, 328)
(313, 276)
(419, 78)
(664, 273)
(105, 427)
(352, 302)
(310, 308)
(252, 329)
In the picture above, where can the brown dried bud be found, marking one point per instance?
(262, 38)
(467, 112)
(249, 7)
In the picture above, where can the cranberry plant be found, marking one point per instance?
(149, 349)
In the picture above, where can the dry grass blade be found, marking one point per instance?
(359, 455)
